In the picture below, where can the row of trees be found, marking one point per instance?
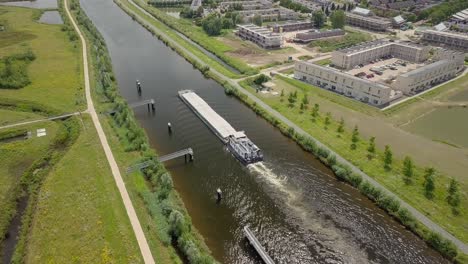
(214, 23)
(443, 11)
(337, 18)
(188, 12)
(294, 6)
(408, 169)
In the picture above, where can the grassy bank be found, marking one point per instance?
(79, 214)
(197, 35)
(165, 221)
(325, 129)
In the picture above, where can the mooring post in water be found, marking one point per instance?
(169, 128)
(219, 195)
(138, 85)
(152, 105)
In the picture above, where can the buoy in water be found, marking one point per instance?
(169, 127)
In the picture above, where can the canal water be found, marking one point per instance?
(299, 211)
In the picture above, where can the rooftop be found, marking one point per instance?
(259, 30)
(462, 15)
(374, 44)
(362, 11)
(448, 34)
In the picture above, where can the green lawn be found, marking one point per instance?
(80, 216)
(437, 209)
(55, 74)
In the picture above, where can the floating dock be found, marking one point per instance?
(238, 143)
(258, 247)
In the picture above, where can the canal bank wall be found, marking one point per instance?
(163, 204)
(419, 224)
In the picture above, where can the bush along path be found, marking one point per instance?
(143, 244)
(431, 232)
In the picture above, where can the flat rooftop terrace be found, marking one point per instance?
(387, 73)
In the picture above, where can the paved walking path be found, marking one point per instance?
(419, 216)
(40, 120)
(140, 236)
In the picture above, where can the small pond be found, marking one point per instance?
(51, 17)
(33, 4)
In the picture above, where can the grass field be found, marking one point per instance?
(55, 74)
(372, 122)
(437, 209)
(11, 116)
(80, 216)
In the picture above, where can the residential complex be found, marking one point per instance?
(270, 14)
(381, 71)
(312, 35)
(260, 36)
(428, 76)
(364, 18)
(343, 83)
(460, 20)
(246, 5)
(292, 26)
(371, 51)
(448, 39)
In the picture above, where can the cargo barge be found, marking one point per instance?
(236, 141)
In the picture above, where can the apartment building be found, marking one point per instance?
(312, 35)
(448, 64)
(368, 22)
(270, 14)
(370, 51)
(263, 37)
(246, 5)
(340, 82)
(446, 38)
(292, 26)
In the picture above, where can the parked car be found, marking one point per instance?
(369, 76)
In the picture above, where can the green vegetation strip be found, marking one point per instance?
(325, 129)
(154, 187)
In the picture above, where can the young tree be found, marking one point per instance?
(305, 100)
(354, 138)
(338, 19)
(408, 170)
(340, 128)
(315, 111)
(319, 18)
(291, 100)
(257, 20)
(429, 182)
(453, 197)
(301, 107)
(371, 148)
(212, 25)
(388, 158)
(282, 93)
(327, 120)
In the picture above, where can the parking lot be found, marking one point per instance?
(384, 71)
